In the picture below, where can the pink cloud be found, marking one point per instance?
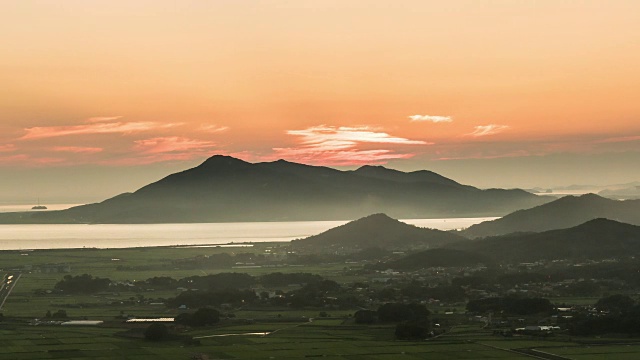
(485, 130)
(26, 160)
(171, 144)
(344, 137)
(77, 149)
(213, 128)
(8, 148)
(161, 149)
(92, 127)
(330, 145)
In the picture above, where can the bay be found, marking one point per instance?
(67, 236)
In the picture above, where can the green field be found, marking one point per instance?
(290, 333)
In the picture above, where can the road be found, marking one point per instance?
(7, 283)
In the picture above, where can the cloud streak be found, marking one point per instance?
(171, 144)
(93, 127)
(213, 128)
(431, 118)
(103, 119)
(330, 145)
(486, 130)
(7, 148)
(77, 149)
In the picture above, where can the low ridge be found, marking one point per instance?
(378, 230)
(594, 239)
(563, 213)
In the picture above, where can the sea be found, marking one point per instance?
(109, 236)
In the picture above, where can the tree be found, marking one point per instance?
(392, 312)
(615, 303)
(205, 316)
(411, 330)
(60, 314)
(82, 284)
(365, 317)
(201, 317)
(156, 332)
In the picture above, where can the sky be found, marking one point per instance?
(102, 97)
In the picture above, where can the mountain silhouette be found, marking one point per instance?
(379, 231)
(226, 189)
(595, 239)
(563, 213)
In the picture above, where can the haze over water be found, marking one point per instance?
(66, 236)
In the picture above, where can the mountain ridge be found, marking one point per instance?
(595, 239)
(226, 189)
(562, 213)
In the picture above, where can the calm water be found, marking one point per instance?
(16, 208)
(18, 237)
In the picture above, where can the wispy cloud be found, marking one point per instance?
(485, 130)
(7, 148)
(162, 149)
(103, 119)
(93, 127)
(330, 145)
(77, 149)
(343, 137)
(431, 118)
(171, 144)
(26, 160)
(213, 128)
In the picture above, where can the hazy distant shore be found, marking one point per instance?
(69, 236)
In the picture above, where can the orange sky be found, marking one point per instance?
(121, 83)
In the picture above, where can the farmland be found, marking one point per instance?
(246, 331)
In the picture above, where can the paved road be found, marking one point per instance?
(6, 286)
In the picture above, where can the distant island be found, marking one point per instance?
(226, 189)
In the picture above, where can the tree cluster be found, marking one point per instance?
(82, 284)
(202, 317)
(510, 305)
(618, 314)
(198, 299)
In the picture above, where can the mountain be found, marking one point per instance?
(563, 213)
(380, 172)
(622, 193)
(225, 189)
(595, 239)
(378, 230)
(435, 258)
